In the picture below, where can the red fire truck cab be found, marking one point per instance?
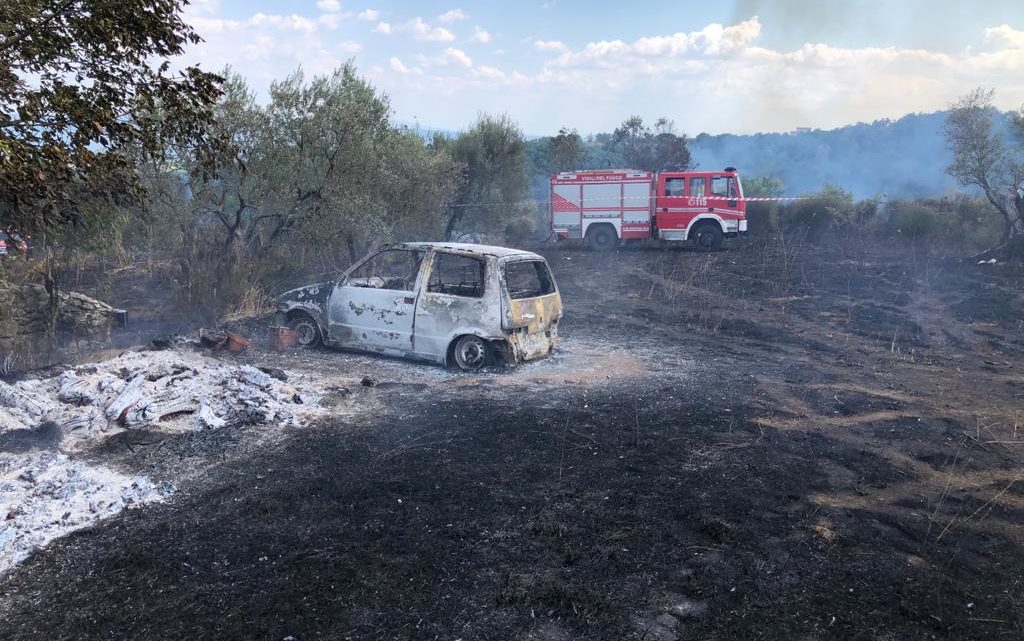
(606, 206)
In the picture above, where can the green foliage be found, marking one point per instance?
(981, 157)
(84, 91)
(763, 186)
(832, 208)
(315, 177)
(657, 149)
(519, 229)
(762, 216)
(320, 165)
(915, 220)
(493, 155)
(957, 220)
(565, 152)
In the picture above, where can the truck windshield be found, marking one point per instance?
(528, 279)
(724, 186)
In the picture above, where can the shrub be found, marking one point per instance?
(210, 281)
(827, 210)
(960, 221)
(519, 229)
(915, 220)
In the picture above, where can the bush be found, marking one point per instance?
(519, 229)
(212, 281)
(830, 209)
(915, 220)
(763, 217)
(962, 221)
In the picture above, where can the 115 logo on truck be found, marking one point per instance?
(606, 206)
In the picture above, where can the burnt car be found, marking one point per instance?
(450, 303)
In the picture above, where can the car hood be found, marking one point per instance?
(315, 294)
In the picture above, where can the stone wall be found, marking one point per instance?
(23, 315)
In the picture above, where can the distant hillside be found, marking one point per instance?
(905, 157)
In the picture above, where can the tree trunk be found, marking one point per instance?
(353, 252)
(1012, 244)
(1015, 213)
(453, 221)
(52, 299)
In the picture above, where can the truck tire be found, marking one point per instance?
(602, 238)
(707, 237)
(307, 328)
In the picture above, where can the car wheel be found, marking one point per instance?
(307, 329)
(470, 353)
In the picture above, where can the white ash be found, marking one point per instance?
(45, 495)
(168, 389)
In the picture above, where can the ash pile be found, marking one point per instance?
(166, 389)
(45, 492)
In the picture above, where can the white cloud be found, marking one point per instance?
(1006, 36)
(328, 5)
(749, 86)
(451, 58)
(329, 20)
(451, 16)
(480, 35)
(490, 73)
(256, 21)
(713, 40)
(775, 89)
(550, 45)
(266, 47)
(419, 29)
(455, 56)
(397, 66)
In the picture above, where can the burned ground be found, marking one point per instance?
(749, 444)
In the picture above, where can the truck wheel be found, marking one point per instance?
(707, 237)
(602, 238)
(307, 329)
(470, 353)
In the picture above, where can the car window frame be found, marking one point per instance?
(539, 259)
(345, 279)
(433, 263)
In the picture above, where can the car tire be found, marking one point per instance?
(707, 237)
(307, 329)
(470, 353)
(602, 238)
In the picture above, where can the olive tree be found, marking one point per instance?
(315, 176)
(493, 155)
(983, 157)
(657, 149)
(565, 151)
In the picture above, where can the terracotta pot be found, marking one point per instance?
(237, 343)
(283, 338)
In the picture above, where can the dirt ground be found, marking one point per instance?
(768, 442)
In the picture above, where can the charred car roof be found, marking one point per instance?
(467, 248)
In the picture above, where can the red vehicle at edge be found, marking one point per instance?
(606, 206)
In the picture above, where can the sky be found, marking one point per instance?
(717, 67)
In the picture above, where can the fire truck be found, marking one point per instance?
(606, 206)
